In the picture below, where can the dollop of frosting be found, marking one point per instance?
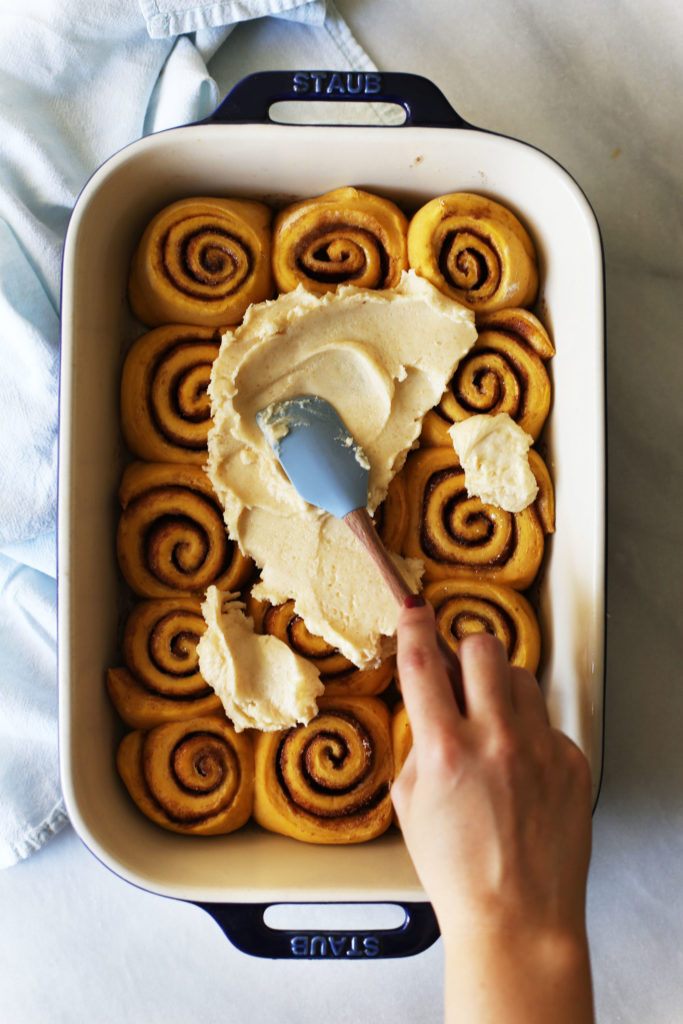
(493, 451)
(262, 683)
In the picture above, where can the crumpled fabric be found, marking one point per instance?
(79, 81)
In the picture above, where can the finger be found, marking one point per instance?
(527, 699)
(425, 685)
(403, 786)
(485, 676)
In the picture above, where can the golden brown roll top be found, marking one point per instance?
(337, 673)
(171, 537)
(401, 736)
(475, 251)
(165, 405)
(463, 607)
(343, 237)
(391, 517)
(503, 373)
(161, 681)
(461, 537)
(202, 261)
(327, 782)
(195, 776)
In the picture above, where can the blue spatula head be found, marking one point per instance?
(317, 452)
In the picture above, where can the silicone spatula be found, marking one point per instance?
(329, 470)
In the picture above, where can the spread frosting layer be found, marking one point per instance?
(382, 359)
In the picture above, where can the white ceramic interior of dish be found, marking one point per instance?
(281, 163)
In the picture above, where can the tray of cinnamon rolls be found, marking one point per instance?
(220, 742)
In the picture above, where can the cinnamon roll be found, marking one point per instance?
(475, 251)
(165, 405)
(202, 261)
(344, 237)
(327, 782)
(171, 538)
(195, 776)
(467, 606)
(401, 736)
(391, 517)
(545, 499)
(337, 673)
(161, 681)
(461, 537)
(504, 372)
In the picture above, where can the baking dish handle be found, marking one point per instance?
(251, 99)
(245, 926)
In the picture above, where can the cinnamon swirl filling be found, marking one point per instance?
(171, 537)
(165, 404)
(462, 537)
(475, 251)
(193, 776)
(344, 237)
(464, 607)
(328, 781)
(202, 261)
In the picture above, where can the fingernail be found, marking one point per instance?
(414, 601)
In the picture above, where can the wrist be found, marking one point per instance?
(519, 974)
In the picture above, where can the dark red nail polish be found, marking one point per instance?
(414, 601)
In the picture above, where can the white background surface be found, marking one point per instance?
(598, 87)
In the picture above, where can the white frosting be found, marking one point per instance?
(493, 451)
(261, 682)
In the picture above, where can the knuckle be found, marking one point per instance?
(417, 657)
(504, 746)
(443, 756)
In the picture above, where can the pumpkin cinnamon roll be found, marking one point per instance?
(344, 237)
(202, 261)
(171, 537)
(401, 736)
(195, 777)
(504, 372)
(165, 405)
(327, 782)
(391, 517)
(461, 537)
(467, 606)
(475, 251)
(544, 503)
(337, 673)
(161, 681)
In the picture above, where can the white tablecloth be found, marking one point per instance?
(598, 87)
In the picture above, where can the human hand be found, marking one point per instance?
(495, 808)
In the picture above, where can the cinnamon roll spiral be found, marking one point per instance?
(171, 538)
(337, 673)
(202, 261)
(463, 607)
(161, 681)
(504, 372)
(391, 517)
(344, 237)
(327, 782)
(475, 251)
(195, 776)
(461, 537)
(165, 404)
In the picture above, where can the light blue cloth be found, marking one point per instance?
(78, 81)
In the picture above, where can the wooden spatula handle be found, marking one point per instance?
(363, 527)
